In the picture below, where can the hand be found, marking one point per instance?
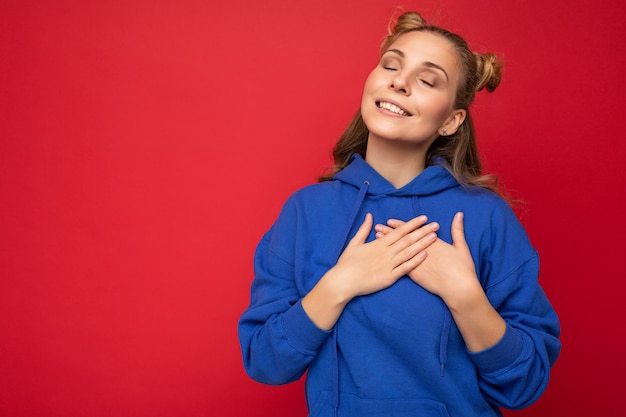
(364, 268)
(449, 270)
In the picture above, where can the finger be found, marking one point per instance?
(364, 230)
(393, 223)
(405, 228)
(420, 233)
(411, 264)
(382, 230)
(458, 231)
(420, 245)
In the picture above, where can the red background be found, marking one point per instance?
(145, 146)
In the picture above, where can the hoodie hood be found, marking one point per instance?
(433, 179)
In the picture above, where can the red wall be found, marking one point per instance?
(145, 146)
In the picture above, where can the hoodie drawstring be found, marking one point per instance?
(443, 340)
(341, 243)
(335, 373)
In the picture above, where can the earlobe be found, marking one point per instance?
(453, 123)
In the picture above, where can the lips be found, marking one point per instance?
(393, 108)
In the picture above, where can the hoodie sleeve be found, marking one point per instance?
(278, 339)
(515, 372)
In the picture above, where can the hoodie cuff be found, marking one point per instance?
(502, 354)
(300, 330)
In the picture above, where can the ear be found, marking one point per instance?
(453, 122)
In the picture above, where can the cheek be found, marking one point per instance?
(438, 109)
(371, 83)
(368, 88)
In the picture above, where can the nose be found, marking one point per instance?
(399, 84)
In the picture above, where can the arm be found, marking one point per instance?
(281, 331)
(278, 340)
(516, 371)
(509, 328)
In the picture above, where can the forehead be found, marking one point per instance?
(423, 46)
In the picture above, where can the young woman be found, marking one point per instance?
(402, 282)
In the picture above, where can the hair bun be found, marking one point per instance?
(406, 22)
(489, 71)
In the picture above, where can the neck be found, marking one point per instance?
(397, 162)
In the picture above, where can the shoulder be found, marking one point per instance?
(485, 205)
(499, 240)
(308, 217)
(317, 199)
(478, 195)
(308, 193)
(491, 221)
(314, 191)
(313, 204)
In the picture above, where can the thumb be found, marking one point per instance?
(458, 231)
(364, 230)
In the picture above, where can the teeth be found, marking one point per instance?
(392, 108)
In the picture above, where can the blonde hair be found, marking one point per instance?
(459, 150)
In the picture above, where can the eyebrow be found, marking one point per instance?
(426, 63)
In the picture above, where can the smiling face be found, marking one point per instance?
(410, 95)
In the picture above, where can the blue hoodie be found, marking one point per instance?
(397, 352)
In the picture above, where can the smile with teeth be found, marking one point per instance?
(392, 108)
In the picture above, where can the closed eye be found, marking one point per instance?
(427, 83)
(390, 64)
